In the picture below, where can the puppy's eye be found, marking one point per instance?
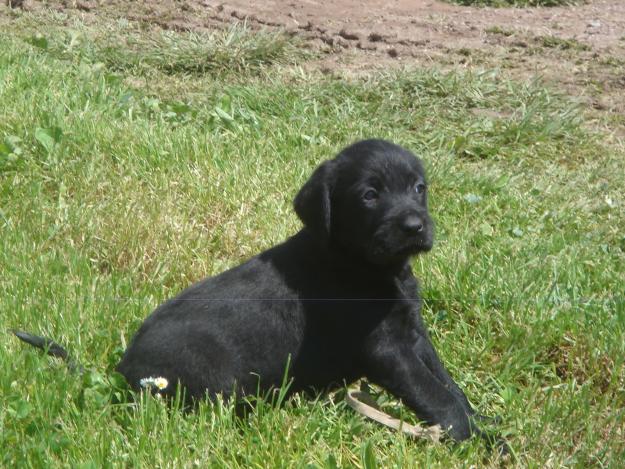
(370, 195)
(420, 188)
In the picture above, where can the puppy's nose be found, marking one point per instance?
(412, 224)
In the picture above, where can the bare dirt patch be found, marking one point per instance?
(580, 49)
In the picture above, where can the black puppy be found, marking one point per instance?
(336, 302)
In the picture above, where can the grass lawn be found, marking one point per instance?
(135, 161)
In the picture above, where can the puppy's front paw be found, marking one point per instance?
(458, 426)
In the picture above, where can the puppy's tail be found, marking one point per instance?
(51, 348)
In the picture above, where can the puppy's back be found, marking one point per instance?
(220, 334)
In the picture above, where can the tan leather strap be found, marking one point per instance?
(364, 404)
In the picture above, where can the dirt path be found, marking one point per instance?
(580, 49)
(416, 27)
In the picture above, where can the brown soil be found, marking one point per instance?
(580, 49)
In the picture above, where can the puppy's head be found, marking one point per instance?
(371, 200)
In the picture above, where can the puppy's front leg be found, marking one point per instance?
(424, 349)
(402, 370)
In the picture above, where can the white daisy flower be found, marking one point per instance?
(159, 382)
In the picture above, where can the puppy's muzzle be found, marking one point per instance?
(416, 230)
(412, 225)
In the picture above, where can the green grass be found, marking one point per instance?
(123, 180)
(135, 48)
(554, 42)
(499, 30)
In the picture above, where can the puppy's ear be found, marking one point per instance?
(312, 203)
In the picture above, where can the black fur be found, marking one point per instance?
(337, 301)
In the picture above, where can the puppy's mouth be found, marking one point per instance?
(415, 246)
(383, 253)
